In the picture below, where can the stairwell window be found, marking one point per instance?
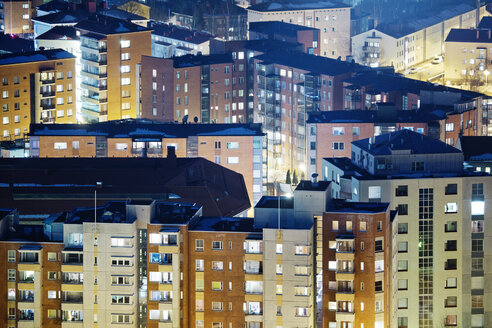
(125, 43)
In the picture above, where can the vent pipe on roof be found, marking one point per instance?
(314, 179)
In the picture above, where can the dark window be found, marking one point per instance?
(451, 264)
(402, 209)
(477, 245)
(379, 246)
(379, 286)
(402, 228)
(451, 189)
(401, 191)
(418, 166)
(451, 245)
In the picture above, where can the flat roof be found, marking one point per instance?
(308, 185)
(272, 202)
(341, 206)
(374, 116)
(34, 56)
(138, 128)
(297, 5)
(467, 35)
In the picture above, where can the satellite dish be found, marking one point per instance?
(185, 119)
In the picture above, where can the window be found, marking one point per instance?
(334, 225)
(232, 160)
(451, 208)
(403, 303)
(217, 265)
(477, 226)
(403, 247)
(451, 320)
(337, 146)
(125, 43)
(5, 120)
(51, 294)
(355, 131)
(216, 306)
(449, 127)
(477, 264)
(5, 94)
(125, 56)
(279, 269)
(378, 286)
(452, 226)
(125, 81)
(216, 285)
(51, 256)
(11, 275)
(232, 145)
(378, 246)
(402, 322)
(216, 245)
(402, 284)
(279, 248)
(121, 242)
(121, 318)
(338, 131)
(418, 166)
(477, 301)
(60, 145)
(451, 283)
(121, 146)
(402, 209)
(402, 228)
(451, 189)
(374, 193)
(302, 250)
(362, 226)
(199, 245)
(451, 264)
(402, 265)
(401, 191)
(477, 245)
(217, 325)
(451, 245)
(125, 69)
(218, 145)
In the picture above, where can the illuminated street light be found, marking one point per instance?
(486, 76)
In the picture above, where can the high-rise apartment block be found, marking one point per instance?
(201, 89)
(287, 89)
(37, 87)
(441, 239)
(332, 18)
(110, 51)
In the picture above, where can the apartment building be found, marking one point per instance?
(173, 41)
(37, 87)
(408, 42)
(200, 89)
(332, 18)
(239, 148)
(110, 51)
(357, 265)
(16, 16)
(154, 264)
(308, 37)
(441, 234)
(330, 134)
(288, 88)
(470, 61)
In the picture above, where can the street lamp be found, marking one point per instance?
(486, 76)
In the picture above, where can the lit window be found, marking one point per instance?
(125, 43)
(125, 81)
(60, 145)
(451, 208)
(125, 69)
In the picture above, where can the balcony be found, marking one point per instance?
(48, 81)
(47, 94)
(73, 258)
(48, 120)
(26, 296)
(48, 106)
(72, 297)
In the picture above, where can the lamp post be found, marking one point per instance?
(486, 76)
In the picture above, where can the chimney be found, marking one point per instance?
(314, 179)
(478, 33)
